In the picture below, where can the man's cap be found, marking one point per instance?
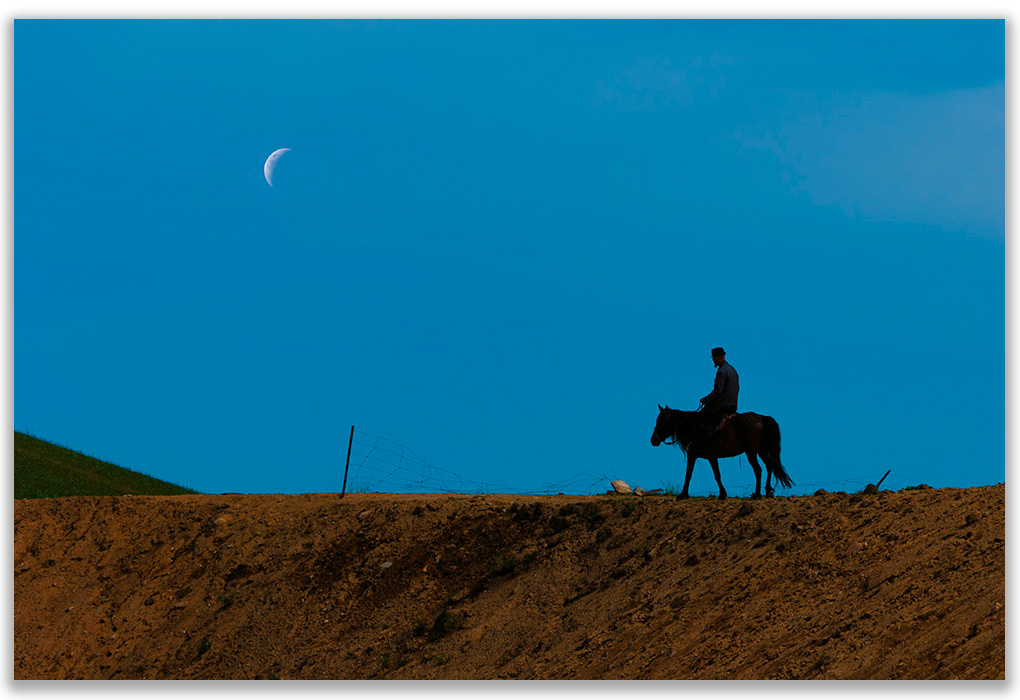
(718, 351)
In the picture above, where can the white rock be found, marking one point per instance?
(621, 487)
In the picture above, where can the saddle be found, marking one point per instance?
(709, 431)
(722, 424)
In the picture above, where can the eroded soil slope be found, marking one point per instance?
(895, 585)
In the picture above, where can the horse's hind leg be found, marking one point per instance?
(753, 459)
(718, 477)
(769, 491)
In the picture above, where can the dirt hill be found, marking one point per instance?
(895, 585)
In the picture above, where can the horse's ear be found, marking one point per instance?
(660, 407)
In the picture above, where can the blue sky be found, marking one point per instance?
(503, 243)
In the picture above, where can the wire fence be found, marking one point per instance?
(380, 465)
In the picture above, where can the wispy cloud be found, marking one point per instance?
(936, 159)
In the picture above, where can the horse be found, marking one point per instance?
(741, 433)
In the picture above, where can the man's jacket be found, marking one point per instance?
(726, 388)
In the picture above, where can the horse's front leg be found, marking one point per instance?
(718, 477)
(687, 479)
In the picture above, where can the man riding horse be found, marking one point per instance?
(704, 434)
(722, 401)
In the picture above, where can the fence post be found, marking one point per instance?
(348, 466)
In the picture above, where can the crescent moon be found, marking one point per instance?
(271, 164)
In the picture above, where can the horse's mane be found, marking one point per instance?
(682, 427)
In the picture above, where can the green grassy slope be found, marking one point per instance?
(45, 470)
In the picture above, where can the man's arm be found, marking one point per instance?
(720, 386)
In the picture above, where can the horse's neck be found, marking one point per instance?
(683, 422)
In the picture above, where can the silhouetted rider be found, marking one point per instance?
(723, 399)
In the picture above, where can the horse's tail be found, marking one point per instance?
(770, 444)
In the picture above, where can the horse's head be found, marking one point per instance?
(662, 426)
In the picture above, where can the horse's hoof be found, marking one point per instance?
(770, 494)
(681, 497)
(722, 496)
(756, 495)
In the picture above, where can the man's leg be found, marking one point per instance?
(708, 419)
